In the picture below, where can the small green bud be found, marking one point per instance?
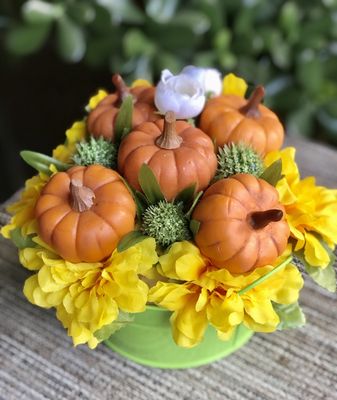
(96, 151)
(166, 223)
(236, 159)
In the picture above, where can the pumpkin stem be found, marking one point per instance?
(121, 88)
(251, 109)
(81, 197)
(260, 219)
(169, 138)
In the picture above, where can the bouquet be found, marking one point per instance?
(177, 196)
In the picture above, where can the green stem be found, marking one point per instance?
(266, 276)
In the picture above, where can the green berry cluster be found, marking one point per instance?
(236, 159)
(96, 151)
(166, 223)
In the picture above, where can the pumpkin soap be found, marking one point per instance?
(84, 212)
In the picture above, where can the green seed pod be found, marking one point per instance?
(166, 223)
(236, 159)
(96, 151)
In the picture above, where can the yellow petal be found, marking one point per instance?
(140, 83)
(96, 99)
(314, 253)
(232, 84)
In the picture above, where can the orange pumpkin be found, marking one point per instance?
(84, 212)
(242, 223)
(101, 120)
(178, 154)
(233, 119)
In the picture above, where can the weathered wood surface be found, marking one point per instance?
(37, 360)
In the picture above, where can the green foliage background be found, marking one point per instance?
(290, 46)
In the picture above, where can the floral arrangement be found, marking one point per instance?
(180, 196)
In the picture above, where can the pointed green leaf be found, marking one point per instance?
(41, 162)
(138, 197)
(266, 276)
(186, 195)
(106, 331)
(123, 123)
(150, 185)
(194, 226)
(291, 315)
(130, 240)
(273, 173)
(20, 241)
(324, 277)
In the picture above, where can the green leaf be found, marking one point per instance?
(20, 241)
(273, 173)
(106, 331)
(186, 195)
(195, 202)
(161, 10)
(265, 276)
(130, 240)
(194, 226)
(123, 11)
(27, 39)
(123, 123)
(37, 11)
(150, 185)
(324, 277)
(70, 40)
(291, 315)
(136, 44)
(41, 162)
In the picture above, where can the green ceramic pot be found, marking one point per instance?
(148, 341)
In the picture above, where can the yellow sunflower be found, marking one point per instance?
(311, 210)
(216, 297)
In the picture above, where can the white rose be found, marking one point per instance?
(209, 78)
(179, 93)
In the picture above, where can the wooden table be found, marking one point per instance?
(38, 361)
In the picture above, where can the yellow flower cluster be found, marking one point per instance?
(311, 210)
(88, 296)
(23, 210)
(212, 296)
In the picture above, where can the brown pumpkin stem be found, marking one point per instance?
(169, 139)
(121, 88)
(81, 197)
(260, 219)
(251, 109)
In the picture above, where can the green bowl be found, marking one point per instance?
(148, 341)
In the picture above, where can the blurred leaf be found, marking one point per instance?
(222, 39)
(70, 40)
(27, 39)
(82, 13)
(299, 122)
(197, 21)
(309, 71)
(290, 20)
(122, 11)
(37, 11)
(136, 43)
(150, 185)
(273, 173)
(161, 10)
